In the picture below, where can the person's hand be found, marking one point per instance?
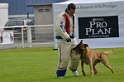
(68, 40)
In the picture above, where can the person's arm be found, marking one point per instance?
(60, 29)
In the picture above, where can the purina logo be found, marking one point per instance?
(98, 27)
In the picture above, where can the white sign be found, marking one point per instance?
(6, 37)
(105, 33)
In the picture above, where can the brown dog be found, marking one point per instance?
(92, 58)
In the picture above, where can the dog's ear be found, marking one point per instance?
(77, 46)
(85, 45)
(81, 41)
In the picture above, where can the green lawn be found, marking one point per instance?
(39, 65)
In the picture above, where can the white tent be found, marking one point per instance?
(100, 23)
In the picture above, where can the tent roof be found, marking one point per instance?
(87, 1)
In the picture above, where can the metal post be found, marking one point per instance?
(22, 37)
(29, 37)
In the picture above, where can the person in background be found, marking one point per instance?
(66, 42)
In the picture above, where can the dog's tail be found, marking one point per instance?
(108, 52)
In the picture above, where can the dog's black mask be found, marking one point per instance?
(79, 48)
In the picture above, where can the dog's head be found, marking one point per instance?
(80, 47)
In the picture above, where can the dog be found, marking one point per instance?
(92, 58)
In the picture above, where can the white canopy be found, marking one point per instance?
(87, 1)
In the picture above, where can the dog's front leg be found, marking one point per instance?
(82, 68)
(91, 67)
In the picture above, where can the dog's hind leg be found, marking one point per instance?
(82, 68)
(94, 64)
(105, 62)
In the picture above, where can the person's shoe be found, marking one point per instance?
(60, 76)
(75, 73)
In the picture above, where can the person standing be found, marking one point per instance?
(66, 41)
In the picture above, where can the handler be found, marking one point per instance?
(66, 41)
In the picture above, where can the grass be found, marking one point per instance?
(40, 64)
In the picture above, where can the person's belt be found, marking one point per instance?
(59, 37)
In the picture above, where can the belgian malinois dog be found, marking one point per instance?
(91, 58)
